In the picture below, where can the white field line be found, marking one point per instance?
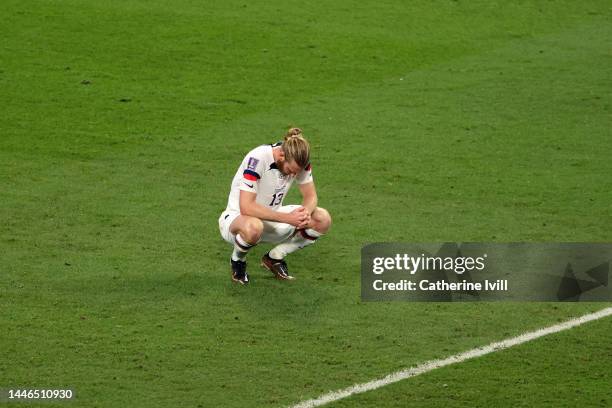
(457, 358)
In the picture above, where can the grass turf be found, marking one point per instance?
(123, 123)
(570, 363)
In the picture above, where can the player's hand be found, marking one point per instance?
(298, 216)
(305, 223)
(306, 220)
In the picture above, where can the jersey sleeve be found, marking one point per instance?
(305, 175)
(252, 169)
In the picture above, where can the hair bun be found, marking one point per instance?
(293, 132)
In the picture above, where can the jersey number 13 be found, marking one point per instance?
(276, 199)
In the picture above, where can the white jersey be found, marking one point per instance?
(258, 174)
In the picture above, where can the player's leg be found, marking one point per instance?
(243, 233)
(320, 223)
(247, 233)
(277, 232)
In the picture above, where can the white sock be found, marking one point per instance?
(241, 248)
(301, 239)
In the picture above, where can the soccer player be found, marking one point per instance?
(255, 211)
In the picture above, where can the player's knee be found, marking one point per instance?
(322, 220)
(253, 228)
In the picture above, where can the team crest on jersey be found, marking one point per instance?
(252, 164)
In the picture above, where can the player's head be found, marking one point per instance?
(296, 152)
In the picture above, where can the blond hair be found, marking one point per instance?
(296, 148)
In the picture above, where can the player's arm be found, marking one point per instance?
(250, 207)
(309, 196)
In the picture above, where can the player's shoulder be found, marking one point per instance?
(260, 156)
(263, 152)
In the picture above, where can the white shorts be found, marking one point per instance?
(274, 232)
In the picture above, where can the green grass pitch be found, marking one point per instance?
(123, 123)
